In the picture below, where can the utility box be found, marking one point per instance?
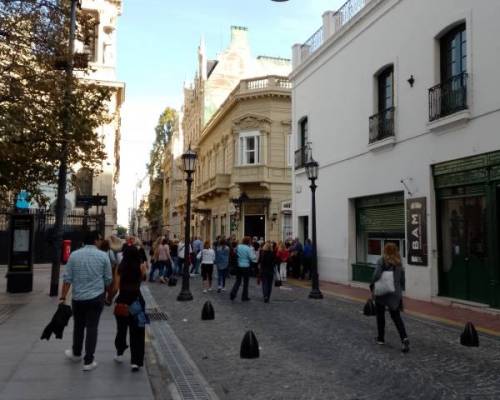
(20, 268)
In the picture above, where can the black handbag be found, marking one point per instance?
(369, 309)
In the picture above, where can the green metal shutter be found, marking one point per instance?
(389, 218)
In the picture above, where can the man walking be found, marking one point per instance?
(197, 247)
(89, 272)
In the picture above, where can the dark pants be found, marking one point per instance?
(306, 267)
(86, 314)
(267, 285)
(157, 265)
(137, 339)
(245, 274)
(396, 317)
(221, 277)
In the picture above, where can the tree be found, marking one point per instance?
(33, 52)
(166, 122)
(121, 231)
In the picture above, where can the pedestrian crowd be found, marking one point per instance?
(107, 271)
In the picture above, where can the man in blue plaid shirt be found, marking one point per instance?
(89, 272)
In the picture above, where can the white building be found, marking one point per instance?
(101, 45)
(399, 100)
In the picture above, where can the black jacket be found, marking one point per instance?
(58, 322)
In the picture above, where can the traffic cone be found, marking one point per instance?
(249, 346)
(207, 313)
(469, 336)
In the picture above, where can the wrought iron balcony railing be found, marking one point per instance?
(448, 97)
(382, 125)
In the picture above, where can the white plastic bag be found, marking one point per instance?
(385, 284)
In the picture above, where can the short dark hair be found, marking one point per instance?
(90, 237)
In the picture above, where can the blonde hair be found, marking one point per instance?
(391, 254)
(267, 246)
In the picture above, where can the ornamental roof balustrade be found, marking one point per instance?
(333, 21)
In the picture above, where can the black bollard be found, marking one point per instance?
(469, 336)
(249, 346)
(207, 313)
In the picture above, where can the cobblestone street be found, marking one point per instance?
(325, 349)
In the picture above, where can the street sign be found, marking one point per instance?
(89, 201)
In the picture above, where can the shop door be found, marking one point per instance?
(464, 266)
(255, 226)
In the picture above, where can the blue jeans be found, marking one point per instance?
(177, 270)
(157, 265)
(221, 277)
(195, 268)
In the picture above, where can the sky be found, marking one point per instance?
(157, 53)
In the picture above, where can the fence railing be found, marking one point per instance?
(448, 97)
(341, 17)
(381, 125)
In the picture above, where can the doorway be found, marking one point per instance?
(255, 226)
(464, 266)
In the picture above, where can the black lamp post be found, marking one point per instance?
(312, 173)
(188, 163)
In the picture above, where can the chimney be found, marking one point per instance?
(239, 36)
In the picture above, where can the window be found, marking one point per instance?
(450, 96)
(249, 148)
(90, 26)
(303, 132)
(453, 53)
(386, 89)
(287, 227)
(382, 123)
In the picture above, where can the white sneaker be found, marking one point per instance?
(118, 359)
(204, 290)
(69, 355)
(134, 367)
(209, 289)
(90, 367)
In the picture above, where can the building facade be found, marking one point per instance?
(210, 94)
(100, 46)
(244, 164)
(400, 107)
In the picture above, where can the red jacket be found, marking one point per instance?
(283, 255)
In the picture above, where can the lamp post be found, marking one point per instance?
(188, 163)
(312, 173)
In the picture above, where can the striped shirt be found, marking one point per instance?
(89, 271)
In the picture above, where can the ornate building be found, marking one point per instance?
(258, 182)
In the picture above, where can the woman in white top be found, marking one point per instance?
(207, 257)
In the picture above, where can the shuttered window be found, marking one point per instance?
(382, 219)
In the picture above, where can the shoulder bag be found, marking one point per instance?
(385, 284)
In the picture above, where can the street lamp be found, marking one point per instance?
(188, 164)
(312, 174)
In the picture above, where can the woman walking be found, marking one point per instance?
(207, 257)
(222, 263)
(130, 273)
(388, 282)
(246, 255)
(283, 255)
(162, 257)
(267, 263)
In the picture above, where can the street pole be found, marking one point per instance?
(185, 294)
(63, 162)
(315, 292)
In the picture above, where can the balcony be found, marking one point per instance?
(218, 183)
(300, 157)
(382, 125)
(448, 97)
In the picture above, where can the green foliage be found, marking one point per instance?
(121, 231)
(33, 40)
(166, 123)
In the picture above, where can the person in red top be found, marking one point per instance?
(282, 254)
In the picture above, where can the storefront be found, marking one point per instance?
(468, 220)
(379, 220)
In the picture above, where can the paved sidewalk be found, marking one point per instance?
(325, 349)
(34, 369)
(485, 320)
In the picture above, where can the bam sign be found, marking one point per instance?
(417, 231)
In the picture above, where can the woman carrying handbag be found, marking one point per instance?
(130, 274)
(387, 285)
